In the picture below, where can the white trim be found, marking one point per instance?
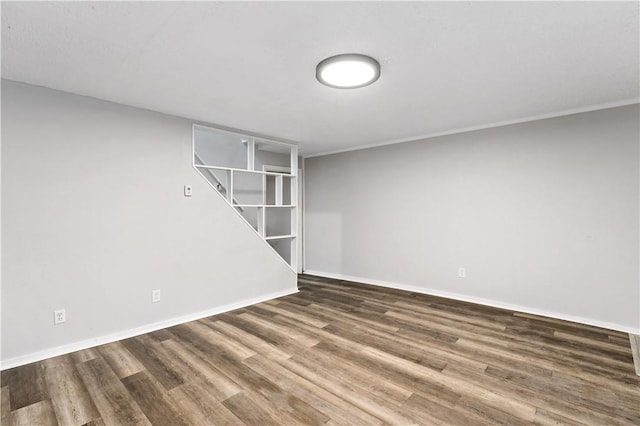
(279, 237)
(279, 170)
(259, 172)
(484, 126)
(125, 334)
(303, 239)
(264, 205)
(480, 301)
(300, 213)
(251, 154)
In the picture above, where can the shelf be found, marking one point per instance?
(258, 172)
(279, 237)
(268, 181)
(263, 205)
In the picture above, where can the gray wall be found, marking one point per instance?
(94, 218)
(543, 216)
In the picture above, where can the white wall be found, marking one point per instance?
(543, 216)
(94, 218)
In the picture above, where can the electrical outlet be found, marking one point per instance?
(462, 272)
(155, 296)
(59, 316)
(188, 190)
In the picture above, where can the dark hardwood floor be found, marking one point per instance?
(339, 353)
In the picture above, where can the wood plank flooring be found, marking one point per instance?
(339, 353)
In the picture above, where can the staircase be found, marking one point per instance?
(257, 177)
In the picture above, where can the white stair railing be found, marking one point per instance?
(269, 205)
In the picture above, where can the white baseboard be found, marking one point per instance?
(480, 301)
(125, 334)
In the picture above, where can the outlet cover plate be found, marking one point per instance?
(59, 316)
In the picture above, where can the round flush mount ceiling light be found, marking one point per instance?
(348, 71)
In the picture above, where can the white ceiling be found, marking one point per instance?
(251, 66)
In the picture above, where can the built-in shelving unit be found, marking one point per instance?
(258, 178)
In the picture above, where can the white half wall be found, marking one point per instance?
(544, 216)
(94, 219)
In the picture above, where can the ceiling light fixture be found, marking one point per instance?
(348, 71)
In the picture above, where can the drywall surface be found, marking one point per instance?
(94, 219)
(542, 215)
